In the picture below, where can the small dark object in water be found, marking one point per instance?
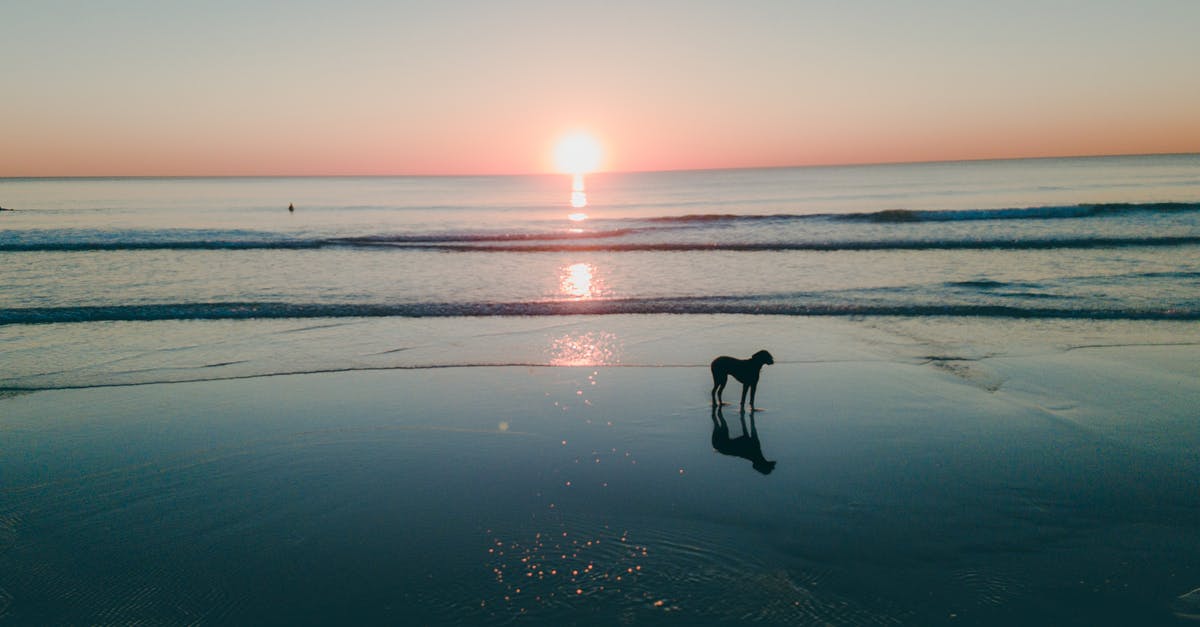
(291, 208)
(744, 370)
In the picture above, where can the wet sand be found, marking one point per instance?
(1052, 488)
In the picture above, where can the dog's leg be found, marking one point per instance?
(745, 388)
(718, 388)
(753, 390)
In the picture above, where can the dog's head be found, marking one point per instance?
(763, 357)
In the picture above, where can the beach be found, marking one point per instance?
(915, 482)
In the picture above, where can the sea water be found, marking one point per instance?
(1114, 238)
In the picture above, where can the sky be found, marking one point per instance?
(298, 87)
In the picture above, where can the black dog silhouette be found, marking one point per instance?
(747, 446)
(744, 370)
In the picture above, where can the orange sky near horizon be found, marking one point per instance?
(278, 88)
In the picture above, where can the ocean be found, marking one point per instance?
(485, 400)
(1114, 238)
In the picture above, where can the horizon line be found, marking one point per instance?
(603, 172)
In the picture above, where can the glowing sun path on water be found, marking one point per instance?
(576, 281)
(578, 154)
(597, 348)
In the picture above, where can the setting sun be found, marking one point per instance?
(577, 153)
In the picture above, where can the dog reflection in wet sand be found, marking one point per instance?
(747, 446)
(744, 370)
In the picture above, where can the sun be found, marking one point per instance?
(577, 153)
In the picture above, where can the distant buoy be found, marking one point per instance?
(291, 208)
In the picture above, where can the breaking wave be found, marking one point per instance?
(667, 233)
(753, 305)
(528, 243)
(833, 245)
(1026, 213)
(1051, 212)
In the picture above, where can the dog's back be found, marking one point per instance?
(724, 363)
(744, 370)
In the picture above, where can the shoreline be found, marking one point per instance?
(104, 354)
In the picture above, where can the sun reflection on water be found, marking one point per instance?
(579, 281)
(554, 567)
(578, 193)
(595, 348)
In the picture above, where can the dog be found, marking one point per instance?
(744, 370)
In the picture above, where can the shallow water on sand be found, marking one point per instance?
(904, 492)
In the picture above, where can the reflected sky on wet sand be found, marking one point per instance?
(591, 494)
